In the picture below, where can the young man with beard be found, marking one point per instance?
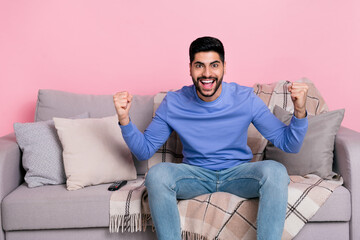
(212, 118)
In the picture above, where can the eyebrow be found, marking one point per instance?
(198, 62)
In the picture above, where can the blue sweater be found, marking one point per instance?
(214, 134)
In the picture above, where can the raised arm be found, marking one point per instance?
(142, 145)
(287, 138)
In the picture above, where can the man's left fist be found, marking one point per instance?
(298, 96)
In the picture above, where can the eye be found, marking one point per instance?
(198, 65)
(215, 65)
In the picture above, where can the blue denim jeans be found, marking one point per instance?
(268, 180)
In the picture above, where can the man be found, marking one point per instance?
(212, 118)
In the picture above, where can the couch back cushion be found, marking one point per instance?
(53, 103)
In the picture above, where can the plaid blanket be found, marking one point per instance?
(220, 215)
(129, 210)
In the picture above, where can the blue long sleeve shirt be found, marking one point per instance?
(214, 134)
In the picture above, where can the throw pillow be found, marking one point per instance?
(41, 152)
(316, 154)
(94, 152)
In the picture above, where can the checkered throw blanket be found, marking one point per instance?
(220, 215)
(129, 210)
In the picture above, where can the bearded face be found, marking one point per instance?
(207, 72)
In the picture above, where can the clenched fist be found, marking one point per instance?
(298, 96)
(122, 102)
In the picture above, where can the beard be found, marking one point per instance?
(203, 93)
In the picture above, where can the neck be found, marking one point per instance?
(210, 98)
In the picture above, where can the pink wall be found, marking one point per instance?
(100, 47)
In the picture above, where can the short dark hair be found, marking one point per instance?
(206, 44)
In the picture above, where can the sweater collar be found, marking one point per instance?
(212, 103)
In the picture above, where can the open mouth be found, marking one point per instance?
(207, 83)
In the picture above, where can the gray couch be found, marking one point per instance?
(52, 212)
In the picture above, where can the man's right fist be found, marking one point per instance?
(122, 102)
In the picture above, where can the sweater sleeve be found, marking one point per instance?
(288, 138)
(144, 145)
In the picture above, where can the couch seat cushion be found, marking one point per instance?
(53, 206)
(49, 207)
(337, 207)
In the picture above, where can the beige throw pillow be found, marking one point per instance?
(94, 152)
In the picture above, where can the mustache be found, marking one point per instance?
(201, 78)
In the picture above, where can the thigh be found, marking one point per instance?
(187, 181)
(246, 179)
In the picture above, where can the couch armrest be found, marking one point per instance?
(11, 172)
(347, 163)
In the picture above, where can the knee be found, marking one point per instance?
(158, 175)
(275, 173)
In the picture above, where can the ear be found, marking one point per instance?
(190, 68)
(224, 67)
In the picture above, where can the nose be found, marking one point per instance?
(206, 72)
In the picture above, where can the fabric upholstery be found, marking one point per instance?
(334, 209)
(80, 234)
(52, 103)
(324, 231)
(11, 174)
(347, 163)
(54, 207)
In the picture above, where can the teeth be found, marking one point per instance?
(208, 81)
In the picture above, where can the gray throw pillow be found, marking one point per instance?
(316, 154)
(41, 152)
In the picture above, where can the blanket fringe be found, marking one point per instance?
(185, 235)
(129, 223)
